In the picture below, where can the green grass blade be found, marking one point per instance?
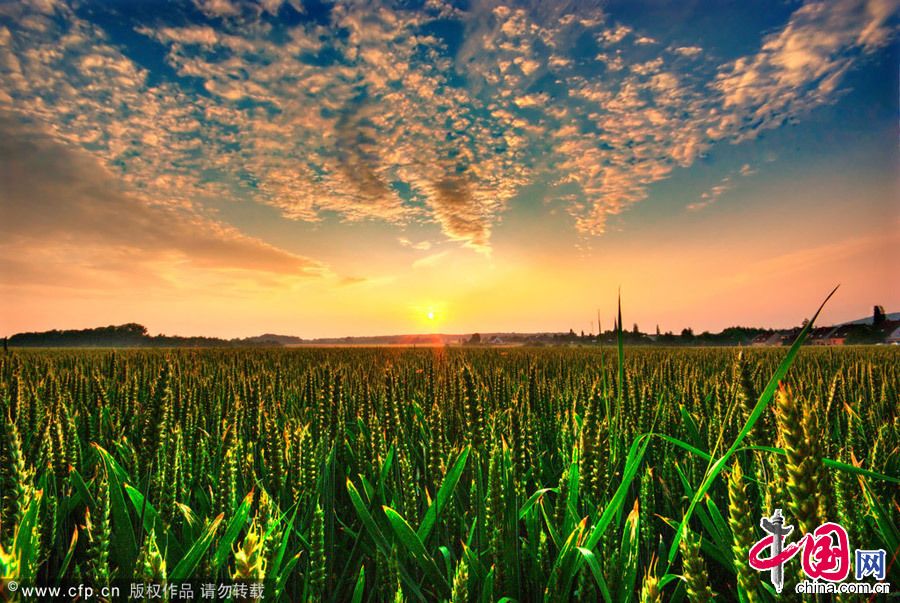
(275, 567)
(684, 445)
(487, 591)
(840, 466)
(415, 547)
(628, 555)
(64, 567)
(81, 488)
(723, 538)
(532, 500)
(632, 463)
(232, 530)
(572, 497)
(886, 526)
(285, 573)
(123, 544)
(152, 520)
(366, 517)
(360, 586)
(187, 565)
(444, 493)
(594, 566)
(27, 539)
(859, 471)
(691, 425)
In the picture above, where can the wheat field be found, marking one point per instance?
(396, 474)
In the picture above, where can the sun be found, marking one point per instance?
(430, 314)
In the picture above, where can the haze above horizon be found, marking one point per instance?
(230, 167)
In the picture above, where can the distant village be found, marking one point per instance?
(878, 329)
(881, 330)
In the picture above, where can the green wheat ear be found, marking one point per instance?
(650, 592)
(249, 563)
(9, 564)
(460, 591)
(744, 395)
(694, 573)
(799, 434)
(98, 532)
(151, 564)
(14, 480)
(740, 520)
(318, 569)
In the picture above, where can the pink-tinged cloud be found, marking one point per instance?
(53, 197)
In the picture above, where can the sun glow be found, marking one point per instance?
(429, 314)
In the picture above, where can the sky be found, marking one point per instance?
(231, 167)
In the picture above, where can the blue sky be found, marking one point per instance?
(275, 158)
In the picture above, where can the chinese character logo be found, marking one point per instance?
(869, 563)
(826, 551)
(777, 531)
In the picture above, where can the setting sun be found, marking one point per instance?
(429, 315)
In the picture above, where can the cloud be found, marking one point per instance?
(800, 66)
(726, 184)
(712, 195)
(688, 51)
(61, 207)
(420, 246)
(439, 115)
(430, 260)
(629, 132)
(218, 8)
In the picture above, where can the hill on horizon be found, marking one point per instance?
(869, 319)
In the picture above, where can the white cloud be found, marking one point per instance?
(688, 51)
(798, 67)
(420, 246)
(386, 123)
(430, 260)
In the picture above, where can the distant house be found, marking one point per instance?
(766, 339)
(821, 336)
(788, 337)
(847, 332)
(894, 336)
(884, 329)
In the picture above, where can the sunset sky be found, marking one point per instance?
(229, 168)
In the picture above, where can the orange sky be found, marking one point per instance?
(361, 172)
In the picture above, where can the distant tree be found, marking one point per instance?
(475, 339)
(657, 330)
(687, 333)
(878, 316)
(668, 337)
(635, 329)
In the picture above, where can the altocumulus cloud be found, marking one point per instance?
(373, 111)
